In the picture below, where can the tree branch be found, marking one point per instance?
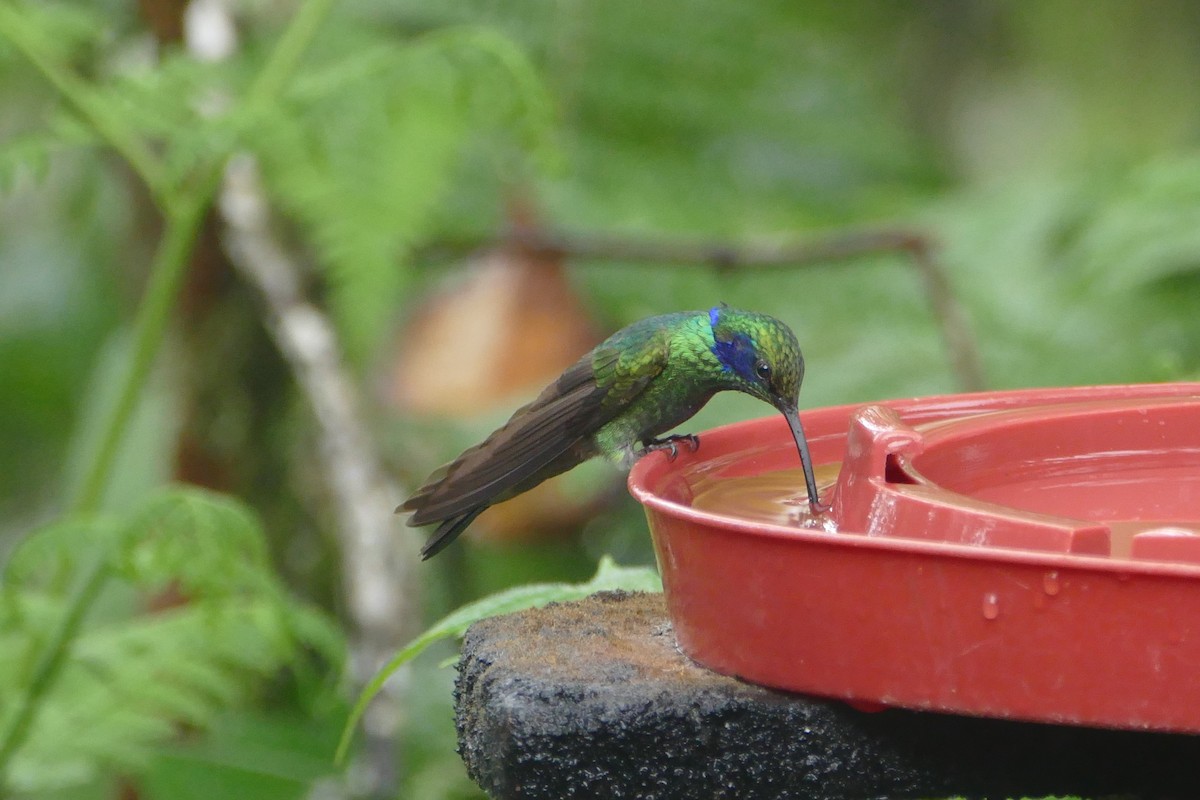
(379, 565)
(960, 342)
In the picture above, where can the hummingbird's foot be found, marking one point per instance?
(670, 444)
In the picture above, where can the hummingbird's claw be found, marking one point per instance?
(670, 444)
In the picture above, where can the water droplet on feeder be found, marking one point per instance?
(991, 606)
(1050, 584)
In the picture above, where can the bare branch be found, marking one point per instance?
(960, 341)
(378, 561)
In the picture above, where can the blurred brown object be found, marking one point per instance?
(507, 330)
(489, 344)
(164, 18)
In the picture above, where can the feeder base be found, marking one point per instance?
(593, 699)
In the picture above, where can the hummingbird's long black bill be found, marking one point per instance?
(793, 418)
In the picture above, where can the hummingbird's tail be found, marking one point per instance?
(448, 531)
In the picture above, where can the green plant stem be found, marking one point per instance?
(185, 209)
(270, 81)
(166, 276)
(50, 661)
(22, 32)
(170, 262)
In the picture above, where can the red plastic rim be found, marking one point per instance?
(1054, 625)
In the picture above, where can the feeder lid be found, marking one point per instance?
(1117, 478)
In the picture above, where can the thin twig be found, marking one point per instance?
(956, 331)
(728, 257)
(378, 564)
(721, 255)
(16, 26)
(364, 495)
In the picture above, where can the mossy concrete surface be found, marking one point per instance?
(594, 700)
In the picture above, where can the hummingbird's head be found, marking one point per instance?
(758, 355)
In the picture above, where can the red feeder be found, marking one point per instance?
(1031, 554)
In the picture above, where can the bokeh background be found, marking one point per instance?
(470, 195)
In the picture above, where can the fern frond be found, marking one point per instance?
(131, 681)
(182, 105)
(28, 156)
(48, 554)
(63, 29)
(205, 543)
(362, 152)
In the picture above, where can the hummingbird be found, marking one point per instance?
(616, 401)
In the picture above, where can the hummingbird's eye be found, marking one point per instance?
(763, 369)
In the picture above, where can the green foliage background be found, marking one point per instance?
(1051, 149)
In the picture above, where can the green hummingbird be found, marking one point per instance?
(616, 400)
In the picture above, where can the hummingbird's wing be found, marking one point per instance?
(546, 437)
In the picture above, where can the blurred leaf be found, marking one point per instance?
(63, 29)
(28, 157)
(244, 755)
(181, 105)
(362, 152)
(47, 555)
(196, 540)
(143, 461)
(609, 577)
(130, 682)
(698, 129)
(1145, 228)
(429, 742)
